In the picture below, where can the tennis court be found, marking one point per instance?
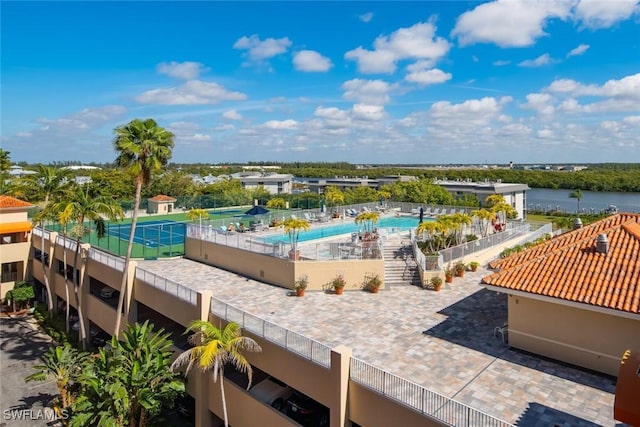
(151, 234)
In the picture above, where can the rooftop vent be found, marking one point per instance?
(602, 244)
(577, 223)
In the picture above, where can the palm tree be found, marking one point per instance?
(576, 194)
(5, 161)
(484, 216)
(129, 382)
(431, 229)
(80, 207)
(143, 149)
(213, 349)
(52, 182)
(333, 195)
(368, 219)
(198, 214)
(292, 227)
(460, 220)
(62, 364)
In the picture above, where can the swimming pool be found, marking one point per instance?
(401, 223)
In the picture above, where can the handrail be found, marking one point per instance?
(292, 341)
(420, 398)
(108, 259)
(168, 286)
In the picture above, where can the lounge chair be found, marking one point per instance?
(307, 216)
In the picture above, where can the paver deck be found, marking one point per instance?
(441, 340)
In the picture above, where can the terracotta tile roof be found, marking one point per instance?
(162, 198)
(12, 202)
(568, 267)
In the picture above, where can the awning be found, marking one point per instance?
(15, 227)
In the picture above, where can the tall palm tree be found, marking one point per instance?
(484, 218)
(577, 194)
(333, 195)
(52, 182)
(62, 364)
(81, 206)
(198, 214)
(213, 349)
(143, 149)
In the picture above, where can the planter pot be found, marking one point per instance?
(437, 287)
(460, 273)
(474, 269)
(339, 290)
(374, 290)
(448, 279)
(294, 255)
(299, 292)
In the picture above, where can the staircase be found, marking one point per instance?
(400, 268)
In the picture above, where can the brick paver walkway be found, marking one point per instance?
(441, 340)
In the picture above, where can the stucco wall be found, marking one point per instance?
(578, 336)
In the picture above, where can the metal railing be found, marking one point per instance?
(419, 398)
(292, 341)
(168, 286)
(67, 242)
(105, 258)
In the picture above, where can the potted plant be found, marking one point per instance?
(474, 265)
(292, 228)
(460, 268)
(436, 282)
(338, 283)
(448, 274)
(300, 285)
(373, 283)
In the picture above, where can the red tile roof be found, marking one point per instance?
(568, 267)
(12, 202)
(162, 198)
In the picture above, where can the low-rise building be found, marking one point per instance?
(15, 241)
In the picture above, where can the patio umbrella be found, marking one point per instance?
(421, 214)
(257, 210)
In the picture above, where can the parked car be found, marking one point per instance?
(272, 392)
(92, 331)
(307, 411)
(101, 339)
(108, 292)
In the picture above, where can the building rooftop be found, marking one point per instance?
(571, 267)
(162, 198)
(7, 202)
(441, 340)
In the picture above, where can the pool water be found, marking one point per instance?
(398, 223)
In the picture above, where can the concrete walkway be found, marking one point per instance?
(442, 340)
(21, 347)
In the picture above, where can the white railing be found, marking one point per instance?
(168, 286)
(105, 258)
(292, 341)
(419, 398)
(233, 239)
(67, 242)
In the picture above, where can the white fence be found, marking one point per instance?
(105, 258)
(168, 286)
(419, 398)
(292, 341)
(66, 242)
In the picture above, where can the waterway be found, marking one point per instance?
(592, 201)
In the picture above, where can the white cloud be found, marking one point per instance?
(366, 17)
(80, 122)
(578, 50)
(374, 92)
(544, 59)
(596, 14)
(627, 87)
(473, 109)
(232, 115)
(182, 70)
(227, 126)
(310, 60)
(368, 112)
(545, 133)
(193, 92)
(260, 50)
(425, 77)
(288, 124)
(501, 62)
(333, 117)
(540, 102)
(508, 23)
(416, 42)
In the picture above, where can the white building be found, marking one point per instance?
(274, 183)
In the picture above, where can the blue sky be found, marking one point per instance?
(363, 82)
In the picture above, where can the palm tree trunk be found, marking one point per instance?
(127, 261)
(76, 286)
(66, 279)
(45, 277)
(224, 401)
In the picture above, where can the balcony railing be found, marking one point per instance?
(419, 398)
(168, 286)
(112, 261)
(67, 242)
(292, 341)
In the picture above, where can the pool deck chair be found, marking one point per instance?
(502, 331)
